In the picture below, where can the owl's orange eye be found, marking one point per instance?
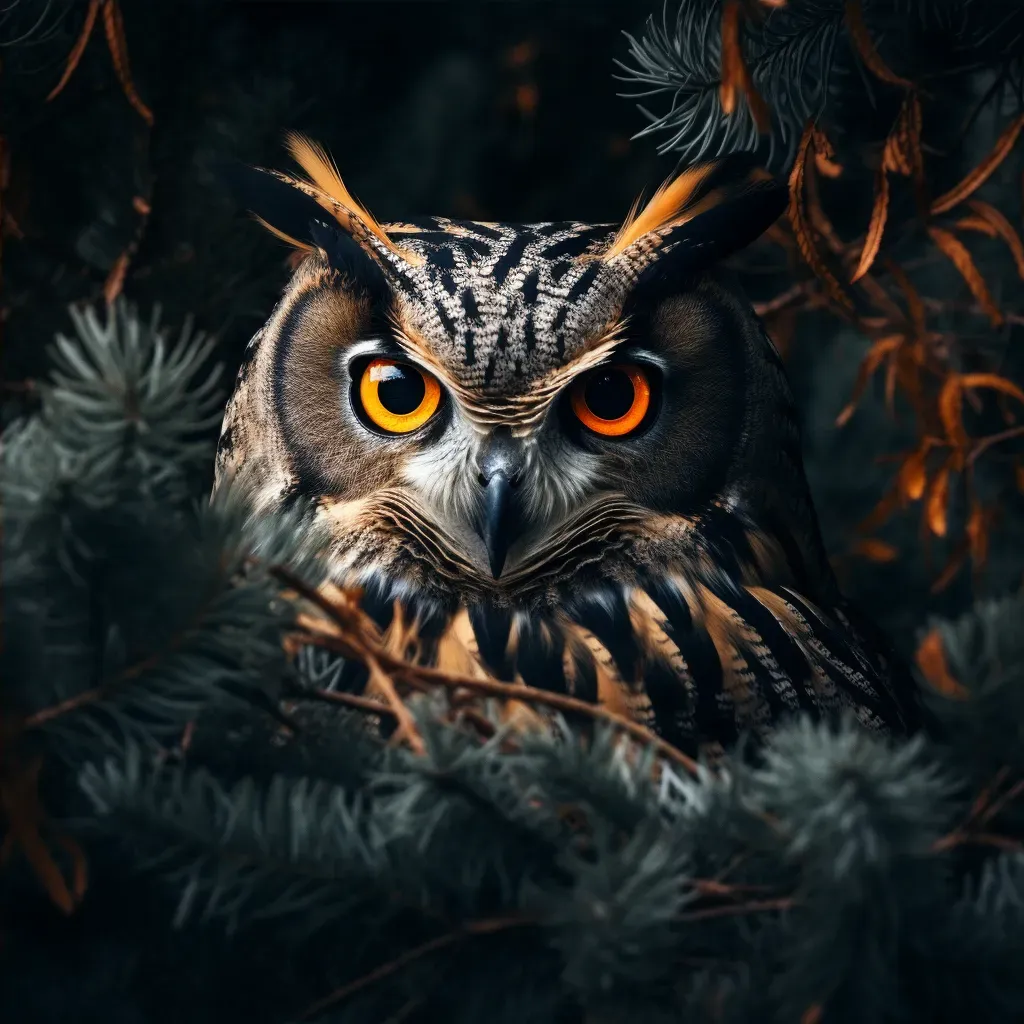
(612, 400)
(398, 397)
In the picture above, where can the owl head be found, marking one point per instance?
(568, 449)
(501, 410)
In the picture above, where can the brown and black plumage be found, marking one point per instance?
(559, 453)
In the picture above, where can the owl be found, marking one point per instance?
(560, 454)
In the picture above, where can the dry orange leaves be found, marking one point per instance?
(26, 825)
(113, 26)
(931, 660)
(861, 38)
(919, 363)
(736, 78)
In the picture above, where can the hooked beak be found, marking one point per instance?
(496, 521)
(500, 465)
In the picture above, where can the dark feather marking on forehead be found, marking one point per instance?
(530, 290)
(441, 240)
(529, 332)
(469, 304)
(442, 258)
(442, 314)
(512, 256)
(583, 283)
(487, 230)
(576, 244)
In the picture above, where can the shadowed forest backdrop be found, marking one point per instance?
(894, 288)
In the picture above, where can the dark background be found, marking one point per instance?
(489, 110)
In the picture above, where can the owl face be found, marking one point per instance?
(477, 455)
(507, 410)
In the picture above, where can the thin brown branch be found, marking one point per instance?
(947, 842)
(986, 442)
(484, 927)
(56, 710)
(998, 805)
(783, 300)
(75, 56)
(406, 724)
(351, 700)
(730, 910)
(423, 674)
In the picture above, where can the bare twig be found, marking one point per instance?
(484, 927)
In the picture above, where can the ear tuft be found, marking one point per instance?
(335, 196)
(710, 210)
(281, 209)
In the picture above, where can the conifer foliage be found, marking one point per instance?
(176, 739)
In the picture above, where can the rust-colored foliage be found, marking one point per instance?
(736, 78)
(976, 178)
(799, 217)
(113, 27)
(961, 258)
(27, 830)
(995, 224)
(854, 14)
(876, 228)
(920, 365)
(931, 660)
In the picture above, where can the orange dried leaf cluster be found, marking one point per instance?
(879, 213)
(919, 363)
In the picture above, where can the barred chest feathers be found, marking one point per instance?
(559, 453)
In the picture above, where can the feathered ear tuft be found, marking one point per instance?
(332, 194)
(302, 222)
(287, 205)
(712, 210)
(281, 209)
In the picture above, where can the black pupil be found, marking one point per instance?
(609, 394)
(401, 391)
